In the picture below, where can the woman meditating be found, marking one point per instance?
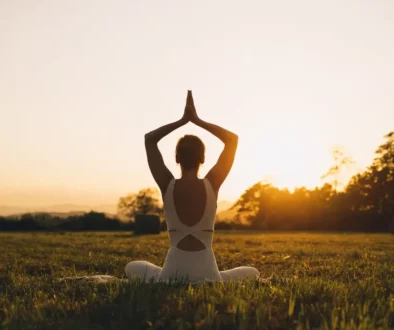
(189, 205)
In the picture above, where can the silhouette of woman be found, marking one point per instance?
(189, 205)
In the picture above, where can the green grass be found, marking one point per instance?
(324, 281)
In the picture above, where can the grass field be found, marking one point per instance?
(324, 281)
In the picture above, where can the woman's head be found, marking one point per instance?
(190, 152)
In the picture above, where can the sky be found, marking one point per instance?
(81, 82)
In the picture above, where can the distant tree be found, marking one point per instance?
(370, 194)
(382, 181)
(261, 206)
(383, 175)
(28, 222)
(248, 205)
(264, 206)
(27, 217)
(90, 221)
(147, 224)
(146, 201)
(341, 162)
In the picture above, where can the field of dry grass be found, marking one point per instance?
(318, 281)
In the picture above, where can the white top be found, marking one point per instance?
(178, 230)
(193, 266)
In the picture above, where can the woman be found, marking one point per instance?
(189, 205)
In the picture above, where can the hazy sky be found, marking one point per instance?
(82, 81)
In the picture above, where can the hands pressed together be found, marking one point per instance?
(190, 113)
(219, 171)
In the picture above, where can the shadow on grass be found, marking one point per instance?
(128, 305)
(138, 305)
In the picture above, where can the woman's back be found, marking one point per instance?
(190, 199)
(190, 210)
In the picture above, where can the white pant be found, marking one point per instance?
(148, 271)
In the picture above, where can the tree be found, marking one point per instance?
(372, 191)
(2, 223)
(248, 205)
(382, 180)
(262, 206)
(341, 162)
(146, 201)
(90, 221)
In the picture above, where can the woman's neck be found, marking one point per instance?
(190, 174)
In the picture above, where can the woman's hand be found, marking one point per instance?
(190, 113)
(193, 113)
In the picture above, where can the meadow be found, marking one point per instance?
(309, 281)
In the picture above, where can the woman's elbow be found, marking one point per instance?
(150, 138)
(231, 140)
(234, 138)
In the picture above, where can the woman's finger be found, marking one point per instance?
(188, 97)
(191, 98)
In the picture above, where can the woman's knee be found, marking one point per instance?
(136, 268)
(253, 272)
(243, 272)
(142, 269)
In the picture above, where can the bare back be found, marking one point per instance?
(190, 207)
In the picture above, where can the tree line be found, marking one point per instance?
(366, 203)
(89, 221)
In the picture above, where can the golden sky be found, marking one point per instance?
(82, 81)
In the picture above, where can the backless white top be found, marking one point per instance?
(194, 266)
(202, 230)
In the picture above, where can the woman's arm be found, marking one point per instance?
(156, 135)
(221, 133)
(221, 169)
(159, 170)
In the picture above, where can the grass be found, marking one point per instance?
(320, 281)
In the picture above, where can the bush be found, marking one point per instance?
(90, 221)
(147, 224)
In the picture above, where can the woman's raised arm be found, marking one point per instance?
(159, 170)
(221, 169)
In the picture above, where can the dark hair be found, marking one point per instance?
(190, 152)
